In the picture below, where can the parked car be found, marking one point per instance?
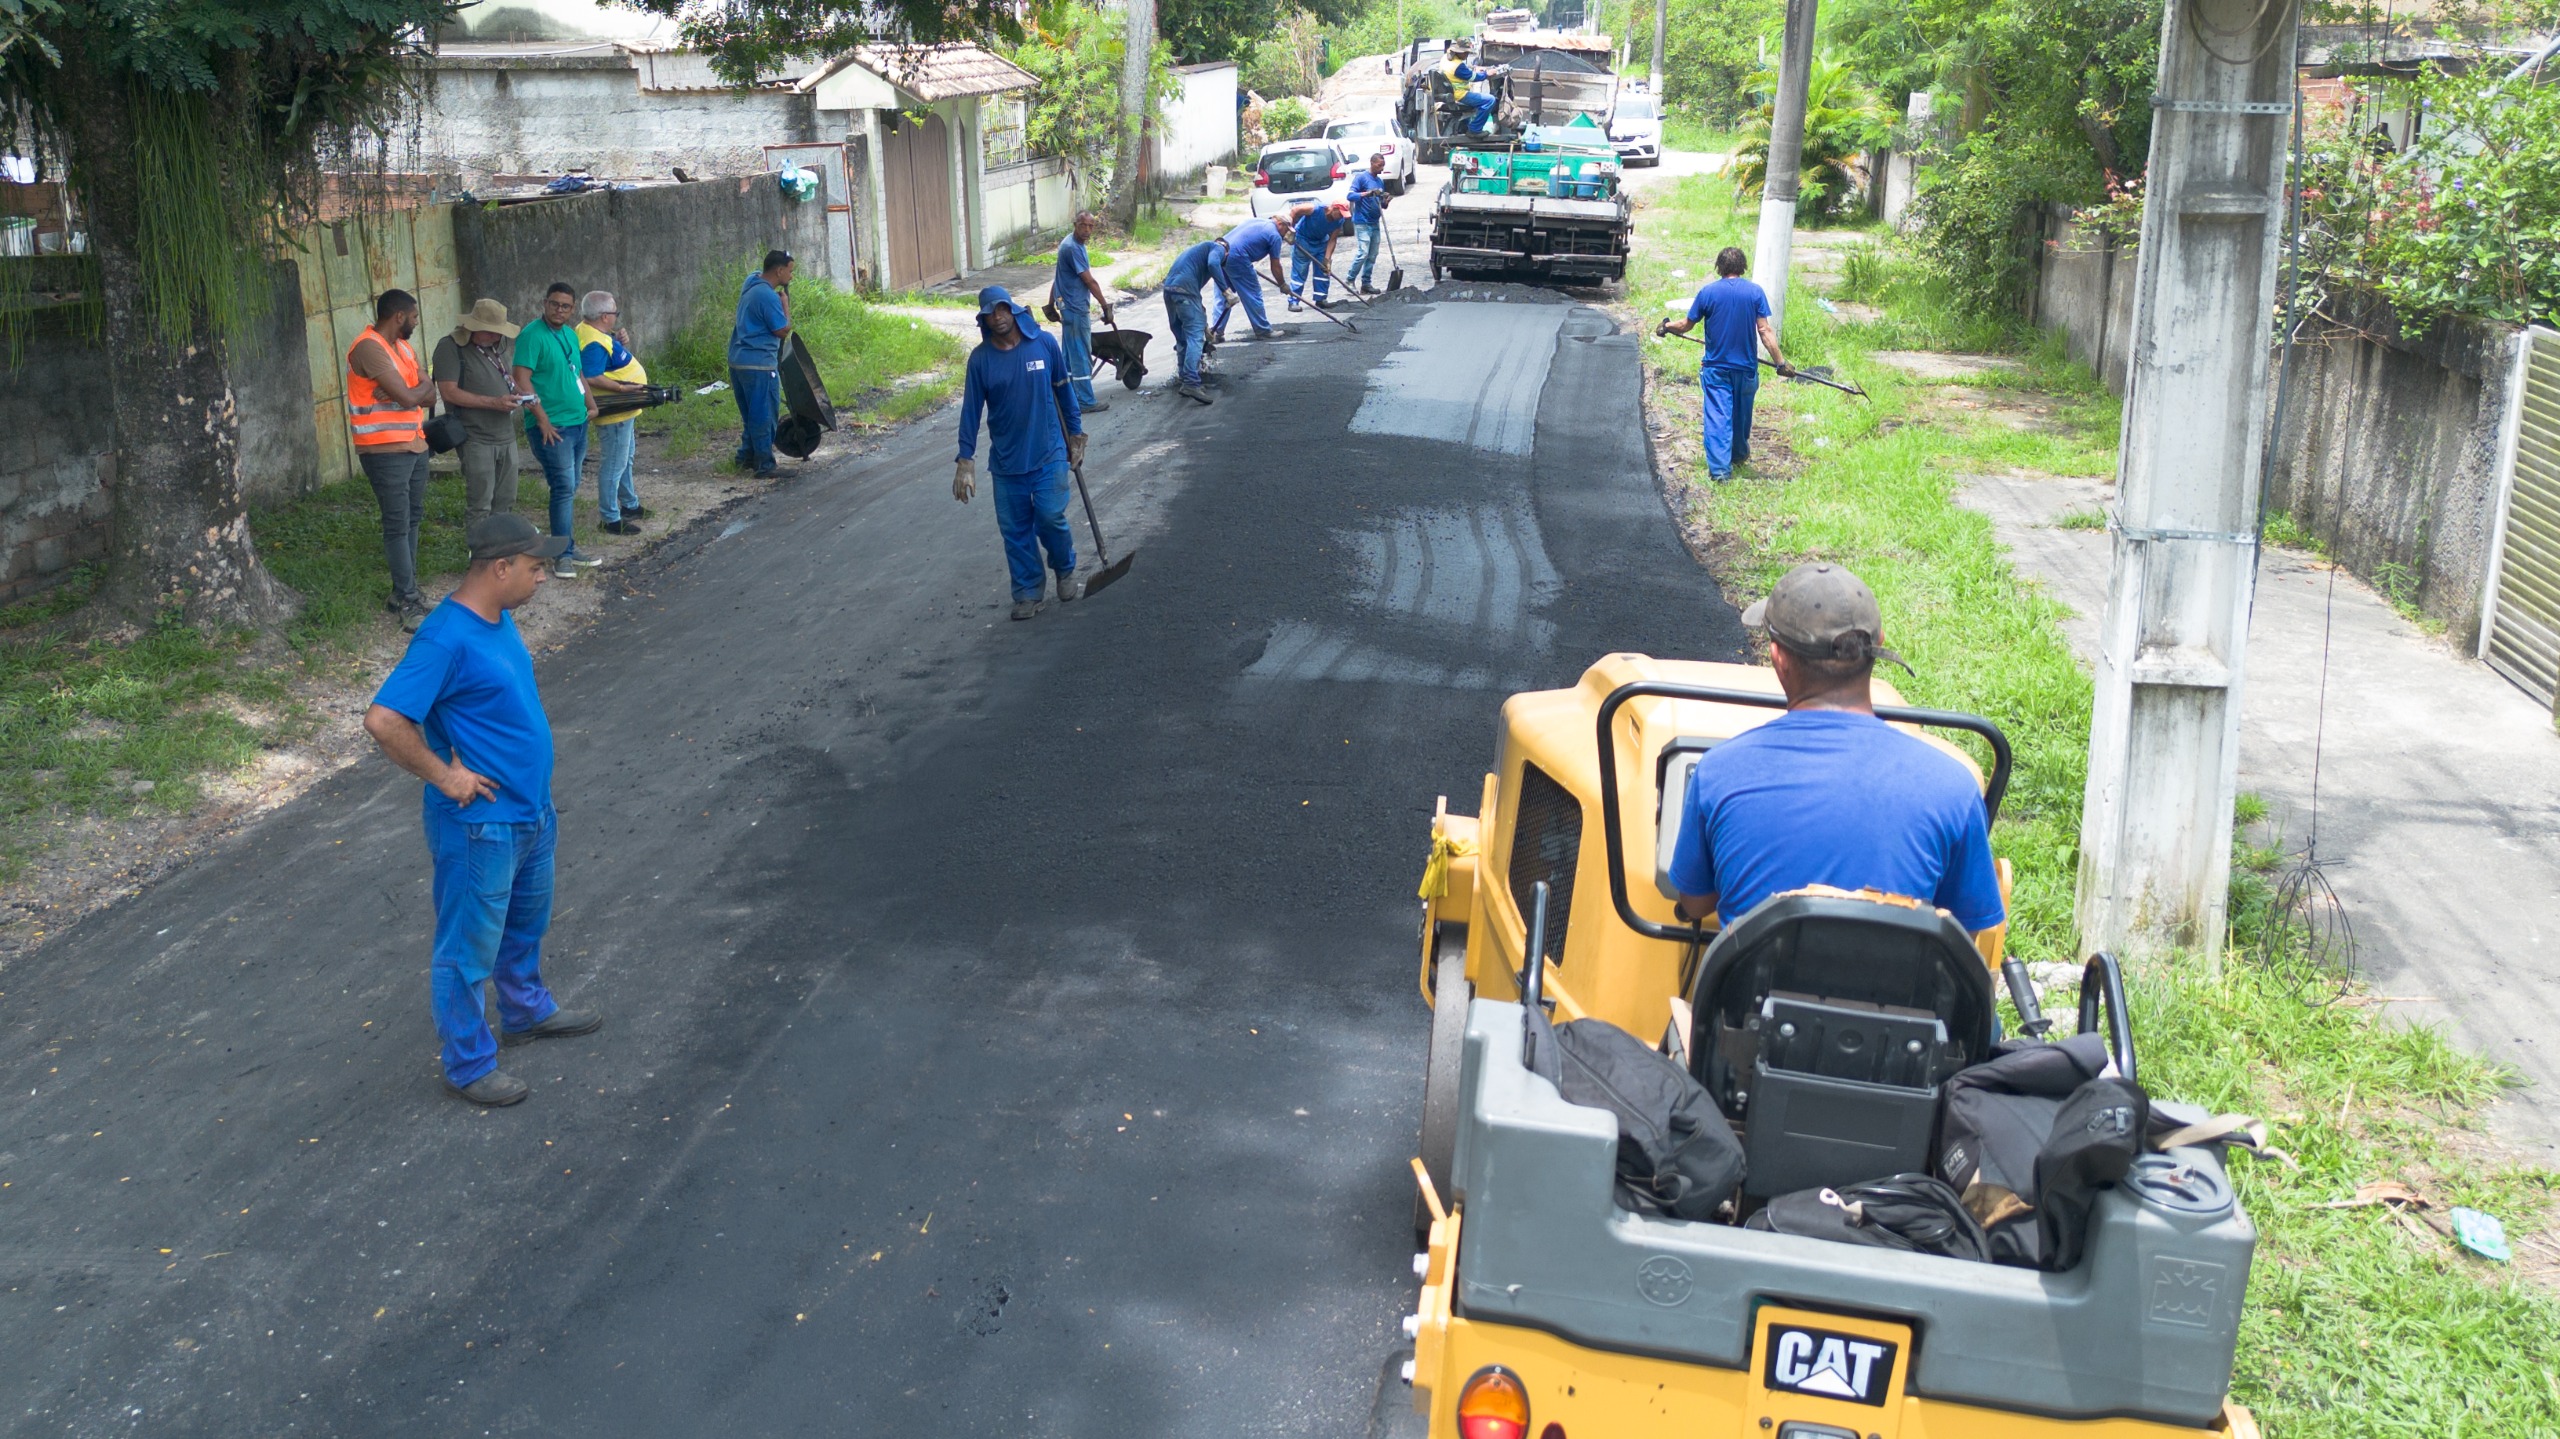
(1364, 136)
(1635, 127)
(1301, 172)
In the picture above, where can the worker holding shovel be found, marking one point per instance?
(1018, 379)
(1736, 314)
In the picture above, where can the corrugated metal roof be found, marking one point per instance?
(932, 72)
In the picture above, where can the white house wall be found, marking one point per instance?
(557, 20)
(485, 122)
(1199, 122)
(1027, 200)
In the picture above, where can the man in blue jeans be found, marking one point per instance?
(555, 423)
(1368, 213)
(1736, 314)
(755, 361)
(461, 712)
(1018, 379)
(1192, 271)
(1074, 290)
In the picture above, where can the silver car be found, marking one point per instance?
(1302, 172)
(1366, 136)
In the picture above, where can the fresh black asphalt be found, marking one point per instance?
(1012, 1028)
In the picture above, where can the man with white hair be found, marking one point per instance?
(606, 361)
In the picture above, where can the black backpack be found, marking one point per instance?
(1913, 1212)
(2029, 1137)
(1676, 1155)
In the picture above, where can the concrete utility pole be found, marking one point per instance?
(1661, 27)
(2164, 740)
(1775, 246)
(1133, 109)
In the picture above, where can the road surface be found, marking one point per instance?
(1012, 1028)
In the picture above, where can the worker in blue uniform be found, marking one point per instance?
(1311, 248)
(1736, 314)
(1192, 271)
(1261, 240)
(1462, 77)
(1018, 379)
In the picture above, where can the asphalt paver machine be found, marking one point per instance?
(1549, 1311)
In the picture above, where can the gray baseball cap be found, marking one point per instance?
(496, 536)
(1823, 612)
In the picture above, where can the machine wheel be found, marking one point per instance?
(1450, 995)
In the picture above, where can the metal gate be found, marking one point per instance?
(2520, 631)
(915, 161)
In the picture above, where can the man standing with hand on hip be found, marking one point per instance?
(1018, 379)
(1736, 314)
(461, 712)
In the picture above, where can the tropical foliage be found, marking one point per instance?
(1076, 51)
(1711, 48)
(1841, 121)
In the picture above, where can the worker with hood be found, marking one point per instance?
(1018, 379)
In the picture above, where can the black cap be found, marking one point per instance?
(496, 536)
(1823, 612)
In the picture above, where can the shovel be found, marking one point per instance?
(1111, 570)
(1805, 374)
(1395, 267)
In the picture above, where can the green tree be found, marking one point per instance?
(194, 132)
(1710, 52)
(1200, 30)
(1076, 51)
(1841, 120)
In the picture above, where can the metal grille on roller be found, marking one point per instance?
(1546, 840)
(2521, 638)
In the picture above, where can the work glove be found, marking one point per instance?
(1661, 328)
(1075, 449)
(964, 480)
(1785, 370)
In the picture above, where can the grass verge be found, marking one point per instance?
(2359, 1322)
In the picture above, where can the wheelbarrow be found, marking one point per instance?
(1124, 351)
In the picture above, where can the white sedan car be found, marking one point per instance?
(1302, 172)
(1635, 128)
(1366, 136)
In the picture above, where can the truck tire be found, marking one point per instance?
(1450, 996)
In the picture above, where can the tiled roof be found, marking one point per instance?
(933, 72)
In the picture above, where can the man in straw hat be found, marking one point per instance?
(471, 374)
(1827, 793)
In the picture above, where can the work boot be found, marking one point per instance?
(1193, 392)
(1025, 609)
(413, 613)
(1293, 304)
(1068, 590)
(562, 1024)
(496, 1089)
(1097, 407)
(1266, 334)
(565, 568)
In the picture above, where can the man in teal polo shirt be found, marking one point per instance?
(555, 424)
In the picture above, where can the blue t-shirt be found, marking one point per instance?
(755, 341)
(468, 685)
(1022, 391)
(1252, 242)
(1067, 288)
(1838, 798)
(1367, 198)
(1732, 309)
(1190, 269)
(1317, 228)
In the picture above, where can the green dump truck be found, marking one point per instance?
(1543, 205)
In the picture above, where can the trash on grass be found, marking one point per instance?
(2480, 1233)
(715, 387)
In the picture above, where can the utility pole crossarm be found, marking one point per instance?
(2155, 847)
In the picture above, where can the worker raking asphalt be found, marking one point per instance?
(1014, 1025)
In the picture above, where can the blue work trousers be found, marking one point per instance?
(1728, 393)
(615, 445)
(493, 905)
(1190, 326)
(1075, 337)
(1301, 261)
(1243, 287)
(1481, 104)
(561, 461)
(1363, 274)
(759, 397)
(1031, 511)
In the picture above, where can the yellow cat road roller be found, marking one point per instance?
(1920, 1229)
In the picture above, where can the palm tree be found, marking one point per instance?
(1841, 119)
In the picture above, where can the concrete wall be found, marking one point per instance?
(502, 117)
(1199, 125)
(338, 268)
(1027, 204)
(2387, 447)
(652, 248)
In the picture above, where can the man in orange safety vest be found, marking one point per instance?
(387, 398)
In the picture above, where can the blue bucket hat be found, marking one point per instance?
(995, 295)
